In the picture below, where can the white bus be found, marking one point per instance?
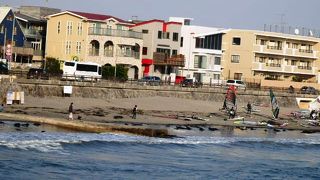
(81, 70)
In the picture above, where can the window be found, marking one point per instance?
(217, 60)
(69, 28)
(181, 42)
(78, 48)
(79, 28)
(175, 36)
(59, 27)
(144, 51)
(216, 76)
(237, 76)
(235, 58)
(68, 47)
(163, 35)
(209, 42)
(165, 51)
(85, 67)
(263, 42)
(187, 22)
(295, 46)
(236, 41)
(174, 52)
(145, 31)
(159, 34)
(200, 61)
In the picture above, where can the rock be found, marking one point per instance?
(36, 124)
(25, 125)
(17, 124)
(117, 117)
(212, 129)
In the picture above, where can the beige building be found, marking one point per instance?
(253, 55)
(161, 44)
(89, 37)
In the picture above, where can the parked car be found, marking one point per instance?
(3, 68)
(191, 83)
(308, 90)
(36, 73)
(150, 80)
(237, 83)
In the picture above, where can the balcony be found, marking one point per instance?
(164, 59)
(284, 68)
(130, 54)
(268, 49)
(115, 33)
(34, 33)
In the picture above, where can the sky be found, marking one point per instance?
(237, 14)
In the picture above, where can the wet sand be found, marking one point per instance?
(152, 112)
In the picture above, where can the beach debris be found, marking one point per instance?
(25, 125)
(43, 131)
(137, 124)
(17, 124)
(117, 117)
(183, 127)
(79, 117)
(36, 124)
(212, 129)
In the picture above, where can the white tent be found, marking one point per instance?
(315, 104)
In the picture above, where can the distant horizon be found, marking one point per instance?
(234, 14)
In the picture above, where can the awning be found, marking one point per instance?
(147, 61)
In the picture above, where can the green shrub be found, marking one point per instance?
(108, 72)
(52, 66)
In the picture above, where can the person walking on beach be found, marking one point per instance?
(249, 108)
(134, 112)
(71, 111)
(1, 107)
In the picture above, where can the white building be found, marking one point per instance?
(202, 47)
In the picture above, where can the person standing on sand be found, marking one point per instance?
(249, 108)
(71, 111)
(134, 112)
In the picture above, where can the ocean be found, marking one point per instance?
(44, 152)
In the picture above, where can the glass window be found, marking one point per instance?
(217, 60)
(236, 41)
(145, 31)
(235, 58)
(59, 27)
(216, 76)
(85, 67)
(174, 52)
(181, 42)
(175, 36)
(159, 34)
(200, 61)
(69, 64)
(144, 51)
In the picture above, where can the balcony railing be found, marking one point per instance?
(306, 51)
(108, 53)
(274, 47)
(93, 52)
(115, 32)
(305, 67)
(164, 59)
(273, 65)
(132, 54)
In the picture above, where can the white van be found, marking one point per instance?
(237, 83)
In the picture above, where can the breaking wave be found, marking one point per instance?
(46, 142)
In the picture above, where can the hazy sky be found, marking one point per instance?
(244, 14)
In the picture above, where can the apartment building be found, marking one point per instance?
(161, 48)
(202, 49)
(98, 38)
(251, 55)
(11, 37)
(33, 24)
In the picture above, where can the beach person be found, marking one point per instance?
(71, 111)
(134, 112)
(232, 113)
(249, 108)
(1, 107)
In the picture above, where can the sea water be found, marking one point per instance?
(250, 154)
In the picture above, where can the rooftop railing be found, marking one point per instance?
(115, 32)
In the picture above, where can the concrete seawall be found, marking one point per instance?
(127, 90)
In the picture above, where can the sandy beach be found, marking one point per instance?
(151, 110)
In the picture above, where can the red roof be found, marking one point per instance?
(98, 17)
(156, 20)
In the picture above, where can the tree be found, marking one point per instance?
(52, 66)
(108, 72)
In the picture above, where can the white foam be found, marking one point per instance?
(46, 142)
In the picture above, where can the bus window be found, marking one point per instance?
(99, 71)
(69, 63)
(85, 67)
